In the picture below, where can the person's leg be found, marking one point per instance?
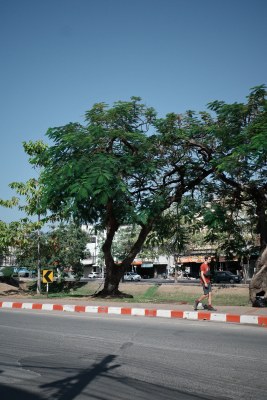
(209, 298)
(210, 308)
(204, 296)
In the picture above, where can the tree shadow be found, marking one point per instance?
(115, 387)
(116, 295)
(112, 387)
(69, 388)
(11, 393)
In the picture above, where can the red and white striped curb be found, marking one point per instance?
(191, 315)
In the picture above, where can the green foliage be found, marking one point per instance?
(61, 247)
(9, 203)
(34, 149)
(123, 241)
(126, 167)
(32, 194)
(5, 237)
(15, 235)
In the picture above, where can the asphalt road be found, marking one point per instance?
(103, 357)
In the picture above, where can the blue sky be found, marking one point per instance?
(59, 57)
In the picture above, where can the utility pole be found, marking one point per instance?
(38, 257)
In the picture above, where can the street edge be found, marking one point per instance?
(190, 315)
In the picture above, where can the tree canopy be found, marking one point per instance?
(125, 166)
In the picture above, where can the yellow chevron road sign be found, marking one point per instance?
(48, 276)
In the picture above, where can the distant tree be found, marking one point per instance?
(12, 235)
(4, 238)
(7, 236)
(61, 247)
(31, 194)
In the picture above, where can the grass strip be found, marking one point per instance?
(232, 295)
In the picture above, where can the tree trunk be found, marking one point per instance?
(114, 273)
(258, 284)
(262, 220)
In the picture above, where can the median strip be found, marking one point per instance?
(146, 312)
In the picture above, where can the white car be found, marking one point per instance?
(132, 276)
(94, 275)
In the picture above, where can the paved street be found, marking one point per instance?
(50, 355)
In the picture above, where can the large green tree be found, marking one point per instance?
(122, 167)
(235, 136)
(240, 161)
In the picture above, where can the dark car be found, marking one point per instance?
(225, 277)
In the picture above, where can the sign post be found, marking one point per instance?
(48, 277)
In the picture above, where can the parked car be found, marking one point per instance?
(94, 275)
(225, 277)
(132, 276)
(24, 272)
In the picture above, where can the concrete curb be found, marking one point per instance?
(146, 312)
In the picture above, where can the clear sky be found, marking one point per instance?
(59, 57)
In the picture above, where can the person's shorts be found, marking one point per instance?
(207, 289)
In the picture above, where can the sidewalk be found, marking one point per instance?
(228, 314)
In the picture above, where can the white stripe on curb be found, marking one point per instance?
(249, 319)
(27, 306)
(138, 311)
(69, 308)
(218, 317)
(91, 309)
(164, 313)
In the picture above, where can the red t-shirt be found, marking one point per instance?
(205, 268)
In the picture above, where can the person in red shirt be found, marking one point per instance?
(206, 284)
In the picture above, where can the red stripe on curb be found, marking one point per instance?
(150, 313)
(103, 309)
(232, 318)
(126, 311)
(36, 306)
(1, 303)
(177, 314)
(57, 307)
(79, 308)
(16, 305)
(204, 315)
(262, 320)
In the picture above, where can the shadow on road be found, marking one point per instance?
(11, 393)
(111, 388)
(69, 388)
(114, 387)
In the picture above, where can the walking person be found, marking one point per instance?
(206, 284)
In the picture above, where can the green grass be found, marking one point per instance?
(224, 299)
(222, 296)
(232, 300)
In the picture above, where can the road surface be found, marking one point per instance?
(105, 357)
